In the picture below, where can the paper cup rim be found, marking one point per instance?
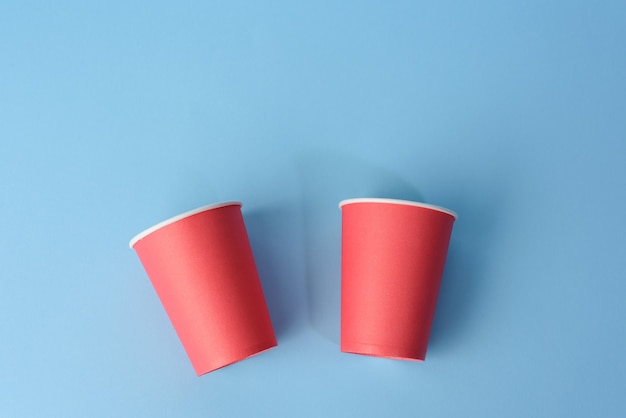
(398, 202)
(177, 218)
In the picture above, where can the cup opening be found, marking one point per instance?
(177, 218)
(397, 202)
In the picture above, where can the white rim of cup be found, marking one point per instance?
(177, 218)
(397, 202)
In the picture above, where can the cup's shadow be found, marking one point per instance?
(269, 232)
(325, 181)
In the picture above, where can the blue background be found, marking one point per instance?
(116, 115)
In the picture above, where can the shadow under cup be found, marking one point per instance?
(202, 268)
(393, 255)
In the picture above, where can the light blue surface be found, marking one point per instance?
(116, 115)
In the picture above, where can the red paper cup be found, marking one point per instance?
(392, 259)
(202, 268)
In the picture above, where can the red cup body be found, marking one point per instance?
(393, 256)
(202, 268)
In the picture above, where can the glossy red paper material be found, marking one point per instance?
(393, 256)
(204, 273)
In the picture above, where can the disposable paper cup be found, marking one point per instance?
(393, 254)
(202, 268)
